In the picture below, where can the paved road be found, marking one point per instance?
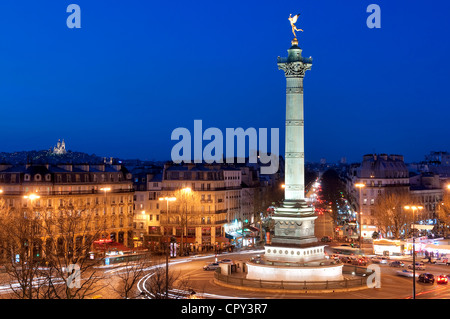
(392, 285)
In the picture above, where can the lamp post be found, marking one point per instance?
(414, 208)
(360, 186)
(187, 192)
(105, 189)
(31, 197)
(167, 199)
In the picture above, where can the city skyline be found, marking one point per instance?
(135, 72)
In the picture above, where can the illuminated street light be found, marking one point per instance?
(414, 208)
(360, 186)
(187, 189)
(167, 199)
(31, 197)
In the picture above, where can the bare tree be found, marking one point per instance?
(20, 236)
(390, 214)
(69, 232)
(125, 278)
(167, 284)
(443, 212)
(184, 211)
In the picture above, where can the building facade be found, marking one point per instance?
(378, 173)
(102, 192)
(382, 172)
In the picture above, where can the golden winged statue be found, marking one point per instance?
(293, 20)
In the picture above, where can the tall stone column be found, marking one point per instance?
(294, 253)
(294, 67)
(294, 220)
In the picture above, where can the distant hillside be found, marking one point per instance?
(46, 156)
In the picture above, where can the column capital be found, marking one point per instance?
(294, 69)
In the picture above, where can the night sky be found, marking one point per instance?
(136, 70)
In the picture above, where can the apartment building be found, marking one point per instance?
(104, 192)
(378, 173)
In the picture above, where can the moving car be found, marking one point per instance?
(346, 260)
(419, 266)
(442, 261)
(211, 266)
(442, 279)
(426, 278)
(406, 273)
(380, 260)
(359, 262)
(430, 260)
(225, 261)
(397, 263)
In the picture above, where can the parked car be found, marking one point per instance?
(442, 279)
(419, 266)
(211, 266)
(225, 261)
(397, 263)
(426, 278)
(406, 273)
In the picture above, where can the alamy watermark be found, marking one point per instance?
(213, 152)
(74, 19)
(74, 278)
(374, 279)
(374, 19)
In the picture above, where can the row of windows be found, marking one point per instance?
(195, 175)
(68, 178)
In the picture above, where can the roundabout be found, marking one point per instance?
(206, 286)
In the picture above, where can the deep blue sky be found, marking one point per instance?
(137, 70)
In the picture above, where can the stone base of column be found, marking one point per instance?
(294, 224)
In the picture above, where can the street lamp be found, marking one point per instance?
(414, 208)
(31, 197)
(360, 186)
(167, 199)
(186, 192)
(104, 190)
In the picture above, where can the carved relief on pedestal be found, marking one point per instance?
(295, 155)
(287, 228)
(294, 90)
(295, 187)
(295, 123)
